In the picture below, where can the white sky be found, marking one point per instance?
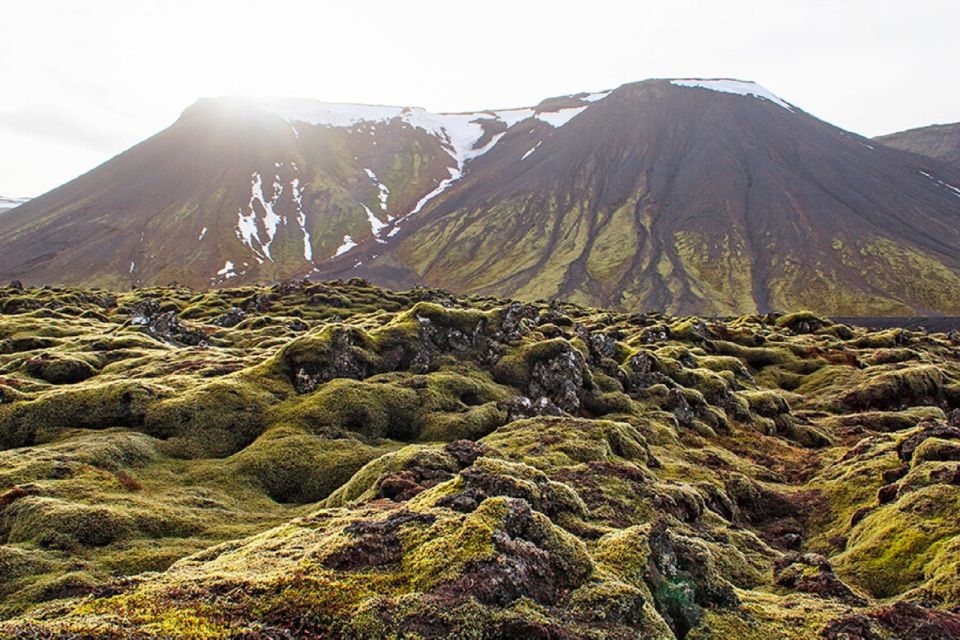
(82, 80)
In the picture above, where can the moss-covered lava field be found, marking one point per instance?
(334, 460)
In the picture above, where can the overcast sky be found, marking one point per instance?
(82, 80)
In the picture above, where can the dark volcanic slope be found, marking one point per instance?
(685, 196)
(941, 141)
(229, 191)
(687, 199)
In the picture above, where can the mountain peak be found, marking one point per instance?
(734, 86)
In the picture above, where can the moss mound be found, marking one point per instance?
(337, 460)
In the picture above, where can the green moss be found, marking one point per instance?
(464, 320)
(801, 319)
(885, 421)
(92, 406)
(61, 525)
(548, 443)
(515, 368)
(325, 349)
(371, 409)
(455, 544)
(936, 449)
(362, 485)
(898, 388)
(763, 615)
(756, 357)
(59, 370)
(471, 424)
(768, 403)
(293, 466)
(625, 554)
(211, 420)
(888, 551)
(940, 582)
(292, 477)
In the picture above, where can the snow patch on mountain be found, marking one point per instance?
(383, 191)
(332, 114)
(956, 190)
(247, 228)
(348, 244)
(455, 174)
(594, 97)
(511, 117)
(531, 150)
(738, 87)
(250, 224)
(270, 219)
(376, 226)
(297, 194)
(560, 117)
(490, 145)
(459, 133)
(247, 231)
(384, 195)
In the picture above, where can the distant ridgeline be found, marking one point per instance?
(933, 325)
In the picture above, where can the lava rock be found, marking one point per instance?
(812, 573)
(907, 446)
(560, 380)
(231, 318)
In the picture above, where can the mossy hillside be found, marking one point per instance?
(102, 504)
(365, 485)
(338, 460)
(562, 442)
(116, 403)
(443, 405)
(292, 466)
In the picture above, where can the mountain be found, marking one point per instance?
(941, 141)
(333, 460)
(708, 196)
(9, 203)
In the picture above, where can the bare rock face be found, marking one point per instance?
(165, 325)
(560, 380)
